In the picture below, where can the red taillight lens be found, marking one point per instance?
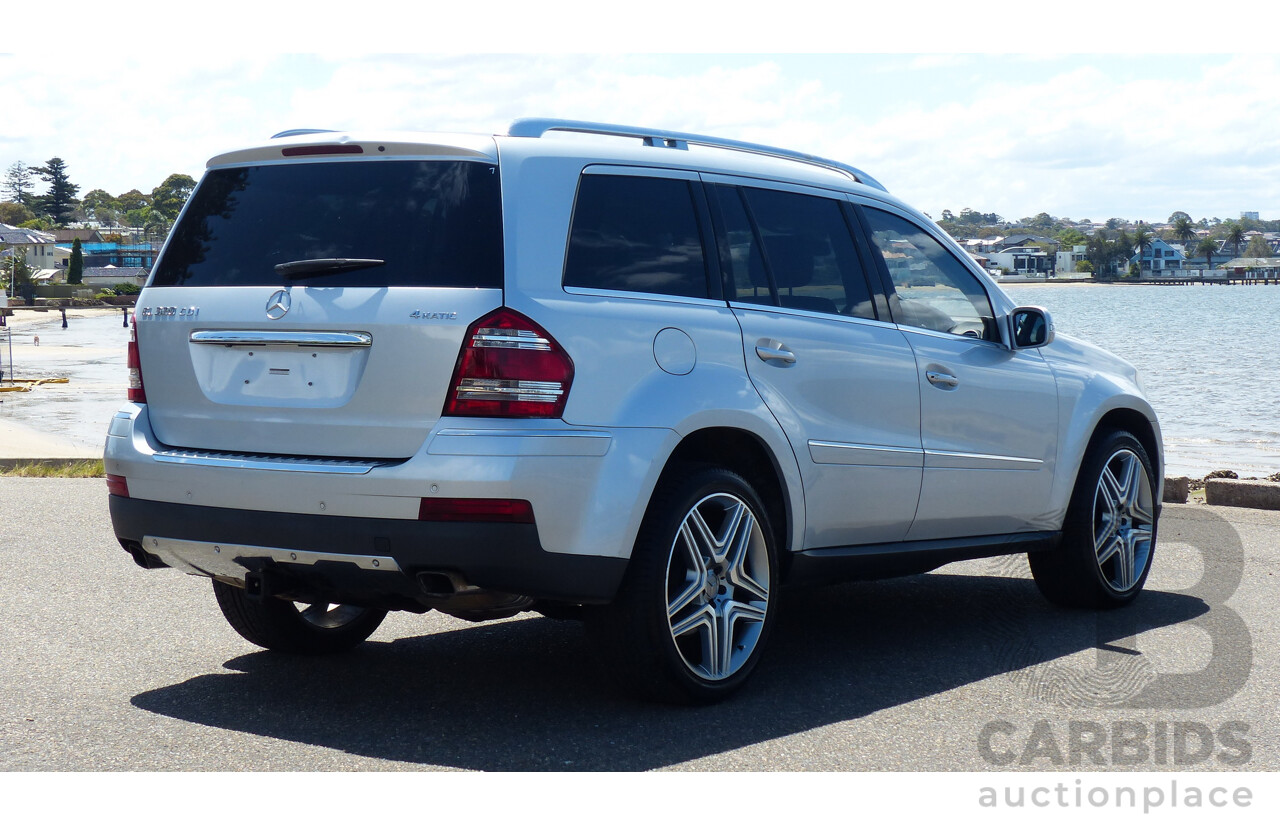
(509, 367)
(137, 393)
(117, 486)
(516, 511)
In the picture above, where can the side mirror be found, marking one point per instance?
(1030, 327)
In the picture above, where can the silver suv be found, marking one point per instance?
(638, 377)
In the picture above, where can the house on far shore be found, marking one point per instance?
(38, 248)
(1253, 268)
(100, 277)
(1159, 257)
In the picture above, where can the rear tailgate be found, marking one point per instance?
(317, 306)
(347, 371)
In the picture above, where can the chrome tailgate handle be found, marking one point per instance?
(262, 338)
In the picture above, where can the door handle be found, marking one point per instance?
(945, 380)
(775, 354)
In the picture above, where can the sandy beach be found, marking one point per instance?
(61, 420)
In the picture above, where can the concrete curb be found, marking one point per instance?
(1230, 492)
(1176, 490)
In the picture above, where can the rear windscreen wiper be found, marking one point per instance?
(325, 266)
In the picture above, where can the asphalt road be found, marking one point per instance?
(106, 667)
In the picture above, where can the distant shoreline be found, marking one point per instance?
(28, 316)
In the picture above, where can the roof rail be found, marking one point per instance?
(296, 132)
(537, 127)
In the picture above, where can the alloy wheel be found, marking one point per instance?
(718, 586)
(1123, 520)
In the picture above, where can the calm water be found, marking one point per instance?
(1202, 352)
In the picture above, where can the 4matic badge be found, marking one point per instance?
(433, 316)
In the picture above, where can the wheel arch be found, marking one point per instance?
(748, 455)
(1132, 421)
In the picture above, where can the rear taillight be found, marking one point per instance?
(509, 367)
(137, 393)
(117, 486)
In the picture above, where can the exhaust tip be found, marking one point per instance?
(440, 584)
(142, 558)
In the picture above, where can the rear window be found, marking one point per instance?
(432, 223)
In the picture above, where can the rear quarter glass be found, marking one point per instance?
(434, 223)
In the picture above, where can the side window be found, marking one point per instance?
(638, 234)
(746, 264)
(932, 289)
(803, 250)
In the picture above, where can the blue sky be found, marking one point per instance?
(1079, 135)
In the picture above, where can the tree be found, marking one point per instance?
(1235, 236)
(19, 274)
(1072, 237)
(169, 197)
(1258, 248)
(1105, 253)
(17, 182)
(14, 213)
(100, 205)
(58, 202)
(1177, 216)
(131, 200)
(153, 222)
(1207, 247)
(75, 268)
(1184, 229)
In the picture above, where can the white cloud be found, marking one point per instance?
(1095, 138)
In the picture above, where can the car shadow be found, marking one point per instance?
(529, 696)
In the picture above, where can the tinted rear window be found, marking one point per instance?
(638, 234)
(434, 223)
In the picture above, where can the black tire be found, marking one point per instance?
(286, 627)
(659, 636)
(1109, 535)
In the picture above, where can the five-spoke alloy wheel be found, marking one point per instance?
(691, 619)
(1110, 531)
(718, 580)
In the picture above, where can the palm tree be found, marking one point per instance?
(1235, 237)
(1207, 247)
(1184, 230)
(1142, 238)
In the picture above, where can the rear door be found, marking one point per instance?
(839, 380)
(318, 307)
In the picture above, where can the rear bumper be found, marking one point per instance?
(360, 560)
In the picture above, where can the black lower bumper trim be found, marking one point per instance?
(495, 556)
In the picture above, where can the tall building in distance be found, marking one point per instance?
(1253, 216)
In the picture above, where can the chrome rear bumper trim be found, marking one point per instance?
(287, 464)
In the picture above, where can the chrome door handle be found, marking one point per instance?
(942, 379)
(768, 354)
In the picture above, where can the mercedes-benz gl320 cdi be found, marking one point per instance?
(634, 376)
